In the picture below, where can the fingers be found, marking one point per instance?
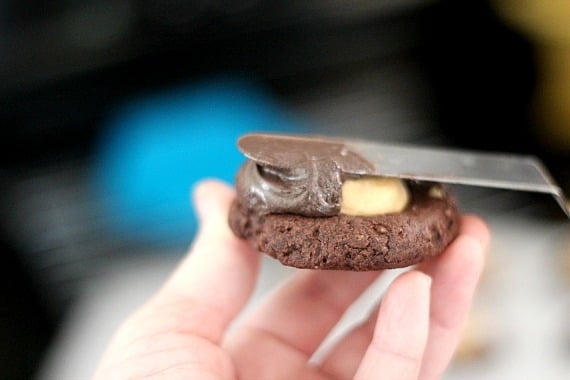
(215, 280)
(343, 360)
(401, 332)
(303, 311)
(475, 227)
(455, 275)
(177, 331)
(293, 321)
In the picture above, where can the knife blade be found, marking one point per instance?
(423, 163)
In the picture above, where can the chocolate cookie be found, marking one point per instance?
(422, 230)
(315, 203)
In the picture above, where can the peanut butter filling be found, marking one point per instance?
(369, 196)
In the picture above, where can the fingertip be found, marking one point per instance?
(412, 283)
(477, 228)
(423, 278)
(204, 188)
(461, 263)
(419, 278)
(471, 250)
(211, 196)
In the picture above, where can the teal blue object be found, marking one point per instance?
(154, 149)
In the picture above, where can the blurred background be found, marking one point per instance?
(110, 111)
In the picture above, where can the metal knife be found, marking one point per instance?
(424, 163)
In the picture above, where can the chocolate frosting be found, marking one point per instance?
(286, 174)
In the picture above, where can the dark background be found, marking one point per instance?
(64, 65)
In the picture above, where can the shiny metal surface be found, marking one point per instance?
(461, 167)
(428, 163)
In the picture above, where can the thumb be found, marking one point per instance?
(220, 270)
(212, 200)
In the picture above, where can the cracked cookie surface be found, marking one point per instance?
(422, 230)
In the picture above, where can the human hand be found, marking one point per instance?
(184, 330)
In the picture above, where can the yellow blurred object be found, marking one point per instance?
(477, 339)
(547, 25)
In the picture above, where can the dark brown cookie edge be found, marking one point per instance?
(422, 230)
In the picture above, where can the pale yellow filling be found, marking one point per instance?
(369, 196)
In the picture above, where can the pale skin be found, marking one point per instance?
(183, 331)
